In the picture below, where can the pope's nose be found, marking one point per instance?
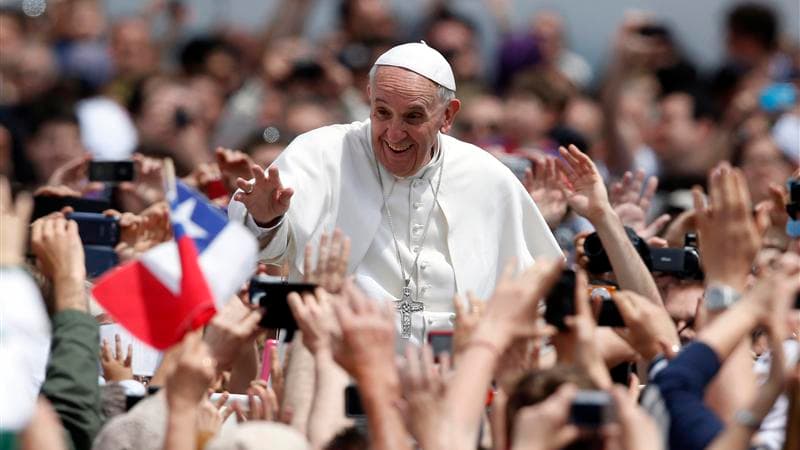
(395, 133)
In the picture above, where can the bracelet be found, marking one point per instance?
(485, 344)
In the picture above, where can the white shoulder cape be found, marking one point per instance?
(490, 216)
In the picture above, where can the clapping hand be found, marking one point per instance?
(631, 198)
(332, 259)
(582, 184)
(543, 186)
(264, 196)
(14, 217)
(116, 367)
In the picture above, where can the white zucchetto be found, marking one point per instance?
(419, 58)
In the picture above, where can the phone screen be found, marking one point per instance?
(111, 171)
(352, 402)
(271, 296)
(441, 342)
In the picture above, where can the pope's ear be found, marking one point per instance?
(450, 115)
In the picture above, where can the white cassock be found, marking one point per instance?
(483, 217)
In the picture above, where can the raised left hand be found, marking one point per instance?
(543, 186)
(331, 268)
(115, 366)
(632, 203)
(582, 184)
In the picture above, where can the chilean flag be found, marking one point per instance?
(177, 286)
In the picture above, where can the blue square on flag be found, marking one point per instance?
(192, 215)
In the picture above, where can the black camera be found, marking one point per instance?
(682, 263)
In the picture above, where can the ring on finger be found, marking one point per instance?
(250, 189)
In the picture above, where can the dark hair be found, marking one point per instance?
(51, 111)
(350, 438)
(194, 54)
(756, 21)
(703, 106)
(535, 386)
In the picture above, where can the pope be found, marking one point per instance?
(429, 216)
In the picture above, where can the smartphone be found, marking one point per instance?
(592, 409)
(352, 402)
(99, 259)
(441, 342)
(96, 229)
(45, 204)
(560, 303)
(271, 296)
(111, 171)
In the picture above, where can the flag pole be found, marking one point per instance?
(170, 188)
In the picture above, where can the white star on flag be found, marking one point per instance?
(183, 215)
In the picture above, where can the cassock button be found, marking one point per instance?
(423, 265)
(417, 205)
(415, 249)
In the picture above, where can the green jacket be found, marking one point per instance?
(72, 372)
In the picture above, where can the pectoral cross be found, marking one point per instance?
(407, 306)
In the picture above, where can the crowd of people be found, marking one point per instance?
(673, 193)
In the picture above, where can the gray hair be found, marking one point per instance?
(442, 93)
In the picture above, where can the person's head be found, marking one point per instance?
(36, 71)
(350, 438)
(55, 139)
(535, 386)
(131, 47)
(687, 124)
(548, 29)
(752, 32)
(367, 20)
(762, 163)
(305, 115)
(480, 122)
(408, 110)
(455, 37)
(525, 117)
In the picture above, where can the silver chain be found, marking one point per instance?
(407, 279)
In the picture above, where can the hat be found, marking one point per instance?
(419, 58)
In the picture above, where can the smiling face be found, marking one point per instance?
(406, 115)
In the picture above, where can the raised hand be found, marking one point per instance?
(75, 175)
(315, 318)
(513, 307)
(14, 216)
(543, 186)
(545, 425)
(467, 319)
(233, 164)
(262, 404)
(139, 233)
(368, 332)
(648, 326)
(194, 371)
(116, 367)
(148, 187)
(331, 268)
(582, 184)
(424, 387)
(728, 235)
(57, 246)
(264, 196)
(632, 203)
(230, 331)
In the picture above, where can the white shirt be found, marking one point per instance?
(483, 218)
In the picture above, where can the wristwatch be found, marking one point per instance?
(720, 296)
(747, 419)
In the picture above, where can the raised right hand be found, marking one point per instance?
(264, 197)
